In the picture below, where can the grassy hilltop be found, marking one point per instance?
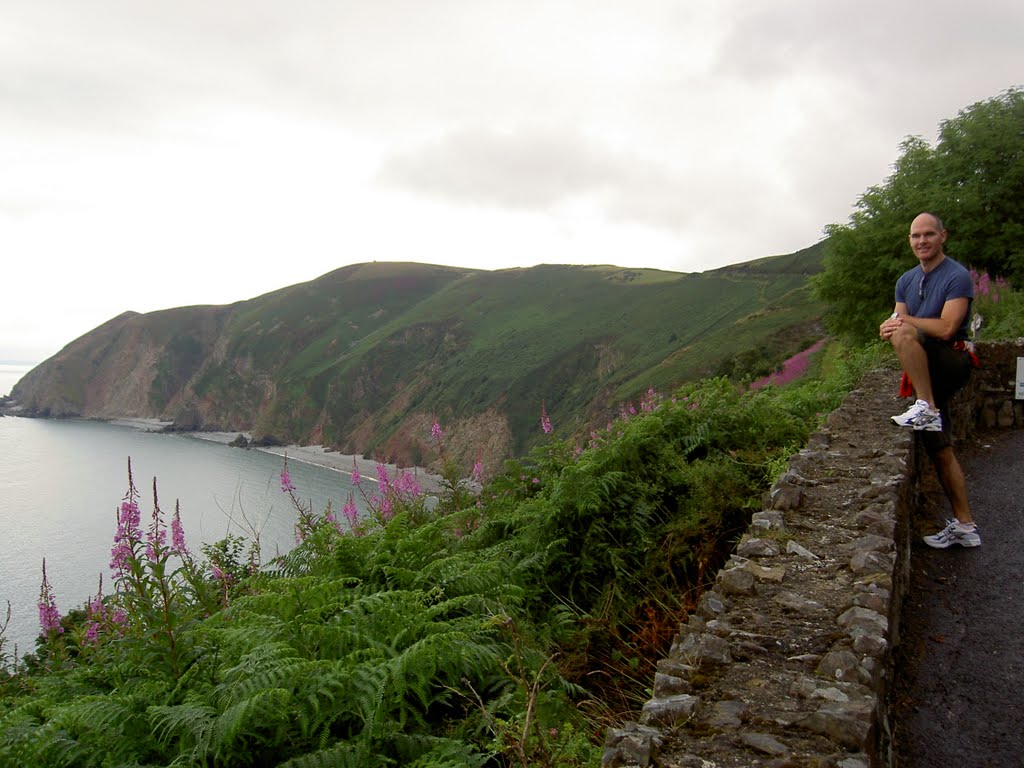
(364, 358)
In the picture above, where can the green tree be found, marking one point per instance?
(973, 178)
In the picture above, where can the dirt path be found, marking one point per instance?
(959, 689)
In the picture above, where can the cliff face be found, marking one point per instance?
(365, 358)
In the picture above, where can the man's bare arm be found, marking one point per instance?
(945, 326)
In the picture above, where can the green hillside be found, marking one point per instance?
(362, 358)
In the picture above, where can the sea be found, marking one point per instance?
(62, 481)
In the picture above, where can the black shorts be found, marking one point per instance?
(949, 370)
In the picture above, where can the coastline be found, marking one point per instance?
(316, 455)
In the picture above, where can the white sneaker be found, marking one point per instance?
(955, 533)
(921, 417)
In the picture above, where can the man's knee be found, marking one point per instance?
(905, 335)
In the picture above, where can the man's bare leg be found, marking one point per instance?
(914, 360)
(951, 476)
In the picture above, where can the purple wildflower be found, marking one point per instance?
(178, 533)
(49, 616)
(792, 369)
(95, 612)
(356, 477)
(219, 575)
(406, 484)
(383, 481)
(650, 401)
(350, 512)
(127, 534)
(287, 486)
(436, 432)
(478, 471)
(545, 422)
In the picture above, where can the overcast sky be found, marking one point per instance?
(158, 154)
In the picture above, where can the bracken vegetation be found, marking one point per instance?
(504, 627)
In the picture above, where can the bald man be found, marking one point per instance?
(928, 329)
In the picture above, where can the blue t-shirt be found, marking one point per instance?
(926, 294)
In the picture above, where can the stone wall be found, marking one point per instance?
(786, 660)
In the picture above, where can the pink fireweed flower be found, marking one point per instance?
(545, 422)
(95, 612)
(386, 509)
(350, 512)
(436, 432)
(650, 401)
(178, 533)
(356, 477)
(128, 534)
(49, 616)
(287, 486)
(219, 575)
(406, 484)
(478, 472)
(383, 481)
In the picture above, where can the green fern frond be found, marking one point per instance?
(189, 723)
(343, 755)
(260, 713)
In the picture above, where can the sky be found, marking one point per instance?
(160, 154)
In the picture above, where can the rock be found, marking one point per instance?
(763, 742)
(750, 547)
(728, 715)
(794, 602)
(871, 562)
(676, 668)
(873, 543)
(704, 650)
(795, 549)
(768, 519)
(868, 644)
(784, 496)
(839, 665)
(670, 685)
(761, 573)
(633, 744)
(873, 601)
(836, 723)
(711, 605)
(737, 581)
(864, 618)
(669, 711)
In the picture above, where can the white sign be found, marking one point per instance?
(1020, 379)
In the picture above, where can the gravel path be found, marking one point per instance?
(959, 688)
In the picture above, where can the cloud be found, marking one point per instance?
(539, 170)
(256, 144)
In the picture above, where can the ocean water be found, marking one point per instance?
(61, 482)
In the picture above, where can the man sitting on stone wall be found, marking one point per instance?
(928, 329)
